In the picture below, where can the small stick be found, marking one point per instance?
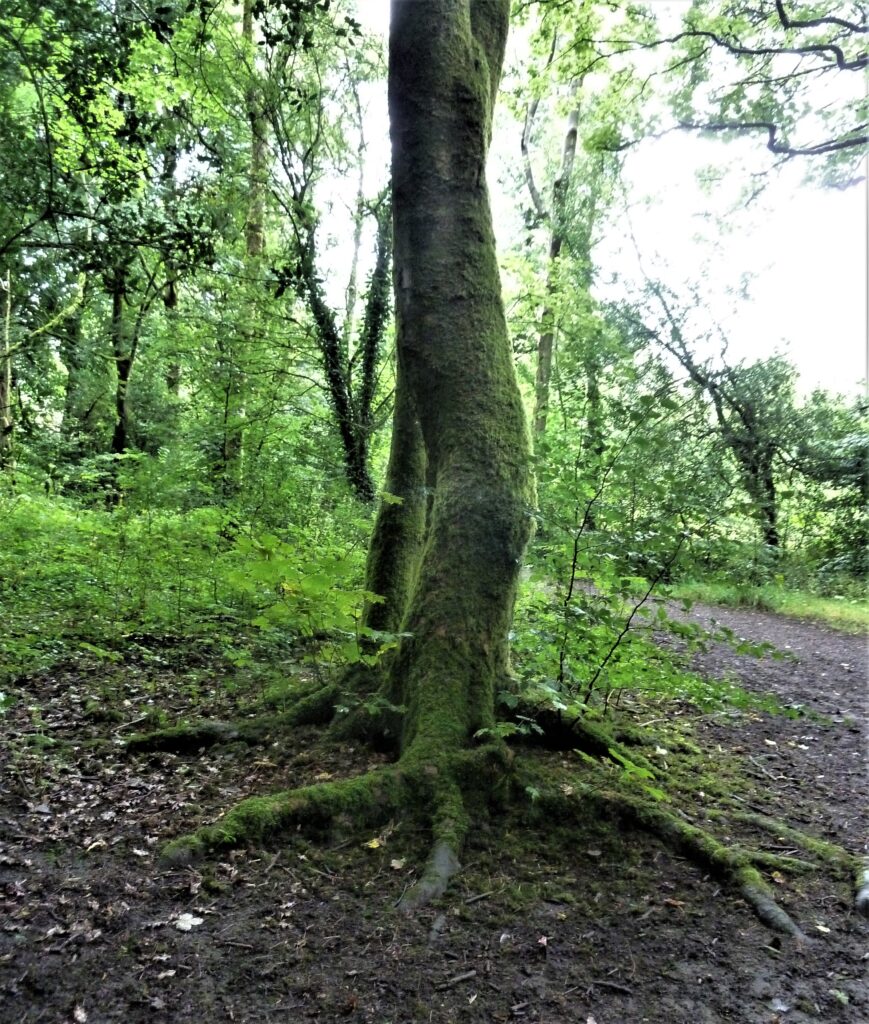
(458, 979)
(126, 725)
(480, 896)
(601, 983)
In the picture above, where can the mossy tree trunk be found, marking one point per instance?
(456, 378)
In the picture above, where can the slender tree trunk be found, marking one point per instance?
(7, 422)
(351, 382)
(399, 531)
(173, 370)
(75, 363)
(546, 339)
(231, 469)
(762, 484)
(456, 366)
(123, 357)
(170, 291)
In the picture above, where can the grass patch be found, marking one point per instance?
(845, 613)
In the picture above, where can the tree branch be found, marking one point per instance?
(788, 22)
(772, 130)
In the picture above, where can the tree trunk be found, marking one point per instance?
(234, 351)
(456, 374)
(762, 487)
(7, 422)
(123, 356)
(399, 532)
(73, 357)
(546, 339)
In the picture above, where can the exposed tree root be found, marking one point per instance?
(734, 865)
(822, 849)
(311, 707)
(566, 730)
(826, 852)
(437, 791)
(440, 868)
(364, 799)
(443, 790)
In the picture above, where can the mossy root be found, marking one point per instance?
(733, 865)
(825, 852)
(365, 799)
(566, 730)
(316, 707)
(449, 823)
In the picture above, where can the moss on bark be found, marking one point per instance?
(456, 363)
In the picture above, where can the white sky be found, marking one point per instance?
(805, 247)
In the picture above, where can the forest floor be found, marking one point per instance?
(596, 926)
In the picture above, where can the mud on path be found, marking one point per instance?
(596, 926)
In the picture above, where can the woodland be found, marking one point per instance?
(308, 483)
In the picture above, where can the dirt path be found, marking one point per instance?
(597, 927)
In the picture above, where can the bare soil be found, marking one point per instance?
(593, 925)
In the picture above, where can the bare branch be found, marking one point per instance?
(773, 144)
(787, 22)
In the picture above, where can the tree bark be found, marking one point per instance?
(7, 422)
(123, 356)
(546, 339)
(399, 531)
(456, 374)
(234, 350)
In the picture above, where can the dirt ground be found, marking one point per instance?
(596, 926)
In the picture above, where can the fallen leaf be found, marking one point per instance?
(823, 929)
(373, 844)
(187, 921)
(397, 863)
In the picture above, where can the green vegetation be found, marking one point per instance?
(194, 419)
(850, 613)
